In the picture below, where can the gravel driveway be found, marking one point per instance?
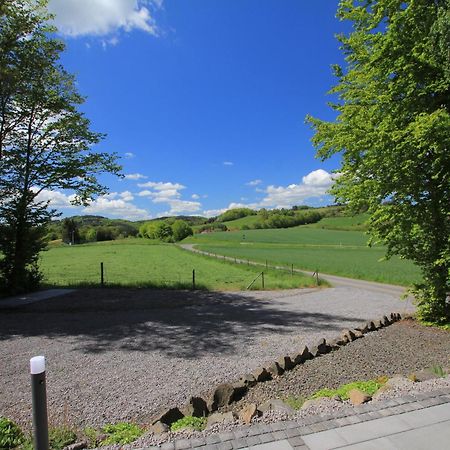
(124, 354)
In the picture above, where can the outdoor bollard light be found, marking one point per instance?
(39, 398)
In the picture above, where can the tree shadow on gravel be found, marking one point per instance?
(178, 323)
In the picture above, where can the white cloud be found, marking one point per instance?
(103, 17)
(129, 155)
(254, 183)
(119, 208)
(114, 204)
(135, 176)
(228, 163)
(168, 192)
(56, 199)
(161, 186)
(318, 177)
(195, 196)
(182, 207)
(313, 186)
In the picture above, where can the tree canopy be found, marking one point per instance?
(45, 142)
(393, 131)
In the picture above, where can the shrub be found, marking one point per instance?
(121, 433)
(196, 423)
(181, 230)
(10, 434)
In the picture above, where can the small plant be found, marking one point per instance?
(10, 434)
(92, 436)
(294, 402)
(60, 437)
(438, 371)
(121, 433)
(196, 423)
(369, 387)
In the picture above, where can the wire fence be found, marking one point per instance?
(106, 274)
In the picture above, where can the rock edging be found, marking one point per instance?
(227, 393)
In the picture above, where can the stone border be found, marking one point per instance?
(293, 431)
(227, 393)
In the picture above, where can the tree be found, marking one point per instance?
(163, 232)
(70, 231)
(393, 131)
(45, 142)
(181, 230)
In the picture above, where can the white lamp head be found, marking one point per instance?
(37, 365)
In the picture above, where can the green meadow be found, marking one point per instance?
(144, 263)
(332, 251)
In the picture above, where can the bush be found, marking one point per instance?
(369, 387)
(10, 434)
(235, 213)
(181, 230)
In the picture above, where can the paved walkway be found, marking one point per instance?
(411, 423)
(27, 299)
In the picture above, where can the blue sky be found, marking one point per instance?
(204, 100)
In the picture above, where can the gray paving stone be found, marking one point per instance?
(375, 415)
(279, 445)
(296, 441)
(225, 446)
(280, 435)
(197, 442)
(212, 439)
(255, 430)
(277, 426)
(317, 427)
(343, 421)
(291, 424)
(226, 436)
(353, 419)
(305, 430)
(241, 433)
(293, 432)
(267, 437)
(239, 443)
(364, 417)
(182, 444)
(168, 446)
(325, 440)
(253, 440)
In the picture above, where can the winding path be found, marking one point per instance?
(333, 279)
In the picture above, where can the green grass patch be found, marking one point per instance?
(196, 423)
(334, 252)
(345, 223)
(142, 263)
(369, 387)
(294, 402)
(442, 326)
(121, 433)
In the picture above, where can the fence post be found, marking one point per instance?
(266, 265)
(102, 275)
(292, 269)
(262, 279)
(193, 279)
(39, 400)
(317, 277)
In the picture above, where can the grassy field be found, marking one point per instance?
(335, 252)
(143, 263)
(345, 223)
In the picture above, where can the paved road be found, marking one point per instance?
(333, 279)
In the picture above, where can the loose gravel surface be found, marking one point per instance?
(116, 355)
(401, 348)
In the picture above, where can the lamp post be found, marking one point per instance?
(39, 399)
